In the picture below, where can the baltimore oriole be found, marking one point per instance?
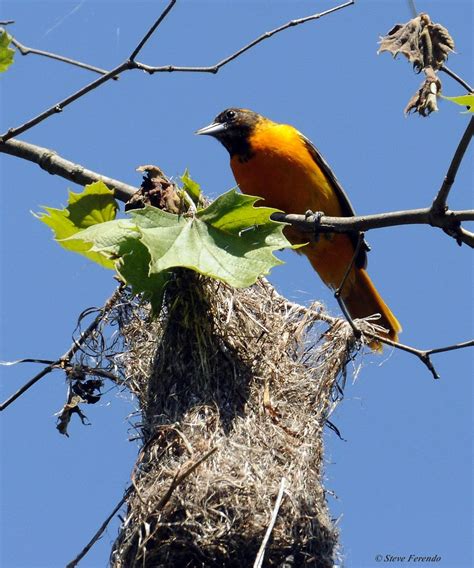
(278, 163)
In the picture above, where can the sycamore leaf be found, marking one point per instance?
(94, 206)
(463, 100)
(230, 240)
(6, 52)
(192, 188)
(133, 267)
(421, 41)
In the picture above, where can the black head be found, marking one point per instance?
(233, 128)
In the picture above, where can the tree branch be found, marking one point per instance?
(58, 107)
(439, 203)
(150, 32)
(100, 531)
(64, 360)
(130, 63)
(457, 78)
(447, 220)
(24, 50)
(54, 164)
(215, 68)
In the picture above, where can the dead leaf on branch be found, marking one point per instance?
(424, 101)
(156, 190)
(64, 415)
(422, 42)
(427, 46)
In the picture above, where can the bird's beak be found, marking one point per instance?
(213, 129)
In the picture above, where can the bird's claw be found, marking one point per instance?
(316, 216)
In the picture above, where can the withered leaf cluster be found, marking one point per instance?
(427, 46)
(156, 190)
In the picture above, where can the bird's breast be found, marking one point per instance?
(281, 170)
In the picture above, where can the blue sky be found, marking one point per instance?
(403, 477)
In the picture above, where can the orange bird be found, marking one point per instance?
(278, 163)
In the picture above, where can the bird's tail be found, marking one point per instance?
(362, 300)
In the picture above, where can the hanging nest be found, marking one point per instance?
(234, 389)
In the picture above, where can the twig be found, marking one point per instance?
(150, 32)
(261, 551)
(64, 360)
(130, 63)
(338, 292)
(439, 204)
(24, 50)
(100, 531)
(215, 68)
(59, 107)
(451, 347)
(457, 78)
(41, 361)
(422, 354)
(6, 22)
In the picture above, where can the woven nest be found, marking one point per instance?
(234, 389)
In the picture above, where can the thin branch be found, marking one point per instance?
(58, 107)
(451, 347)
(150, 32)
(422, 354)
(28, 385)
(64, 360)
(24, 50)
(215, 68)
(130, 63)
(261, 551)
(100, 531)
(338, 292)
(439, 203)
(6, 22)
(41, 361)
(457, 78)
(447, 220)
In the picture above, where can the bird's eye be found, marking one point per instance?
(230, 115)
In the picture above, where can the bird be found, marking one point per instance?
(278, 163)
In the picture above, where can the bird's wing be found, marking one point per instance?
(346, 206)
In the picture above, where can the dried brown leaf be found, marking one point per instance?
(422, 42)
(156, 190)
(424, 101)
(64, 415)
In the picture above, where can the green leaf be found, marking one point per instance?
(133, 267)
(93, 207)
(192, 188)
(6, 52)
(230, 240)
(464, 100)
